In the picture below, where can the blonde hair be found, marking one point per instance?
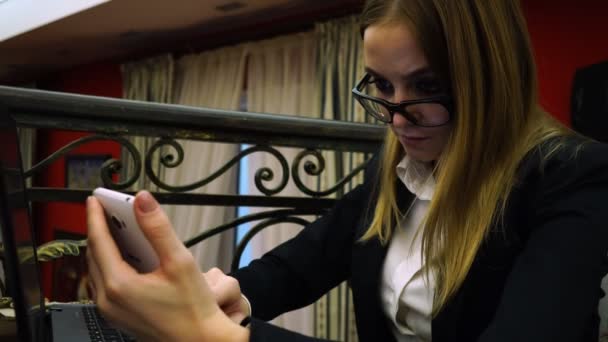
(482, 50)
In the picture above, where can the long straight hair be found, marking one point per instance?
(482, 51)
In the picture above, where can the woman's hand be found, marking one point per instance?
(173, 303)
(228, 295)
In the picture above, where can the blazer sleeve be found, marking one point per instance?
(553, 290)
(299, 271)
(265, 332)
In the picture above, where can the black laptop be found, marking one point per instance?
(35, 322)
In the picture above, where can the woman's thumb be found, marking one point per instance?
(156, 226)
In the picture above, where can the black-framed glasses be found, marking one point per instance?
(428, 112)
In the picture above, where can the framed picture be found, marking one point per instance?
(83, 171)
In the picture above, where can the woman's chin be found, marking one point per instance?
(418, 154)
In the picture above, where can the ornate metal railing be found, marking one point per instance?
(116, 120)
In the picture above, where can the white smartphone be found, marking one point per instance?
(131, 241)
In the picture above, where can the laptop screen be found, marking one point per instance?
(20, 264)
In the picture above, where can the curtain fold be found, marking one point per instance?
(210, 79)
(148, 80)
(281, 79)
(340, 64)
(27, 143)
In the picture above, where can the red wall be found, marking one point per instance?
(102, 79)
(566, 35)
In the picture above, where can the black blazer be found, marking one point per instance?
(537, 278)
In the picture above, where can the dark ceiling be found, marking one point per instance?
(122, 30)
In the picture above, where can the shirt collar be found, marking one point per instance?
(417, 177)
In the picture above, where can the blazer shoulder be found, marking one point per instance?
(565, 158)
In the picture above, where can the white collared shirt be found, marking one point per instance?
(406, 293)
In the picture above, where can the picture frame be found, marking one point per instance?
(83, 171)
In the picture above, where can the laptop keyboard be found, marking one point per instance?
(100, 330)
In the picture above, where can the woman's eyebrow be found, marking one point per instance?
(422, 71)
(372, 72)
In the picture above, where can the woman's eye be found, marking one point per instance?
(428, 87)
(383, 86)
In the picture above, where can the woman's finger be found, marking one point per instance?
(157, 228)
(113, 312)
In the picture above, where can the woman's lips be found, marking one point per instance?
(413, 141)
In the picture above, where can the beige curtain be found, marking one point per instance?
(210, 79)
(27, 143)
(148, 80)
(340, 66)
(281, 79)
(308, 74)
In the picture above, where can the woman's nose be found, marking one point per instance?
(400, 121)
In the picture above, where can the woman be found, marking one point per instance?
(486, 220)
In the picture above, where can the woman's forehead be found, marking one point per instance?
(392, 49)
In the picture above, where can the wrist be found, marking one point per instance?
(240, 334)
(220, 327)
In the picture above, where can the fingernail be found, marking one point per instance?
(146, 202)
